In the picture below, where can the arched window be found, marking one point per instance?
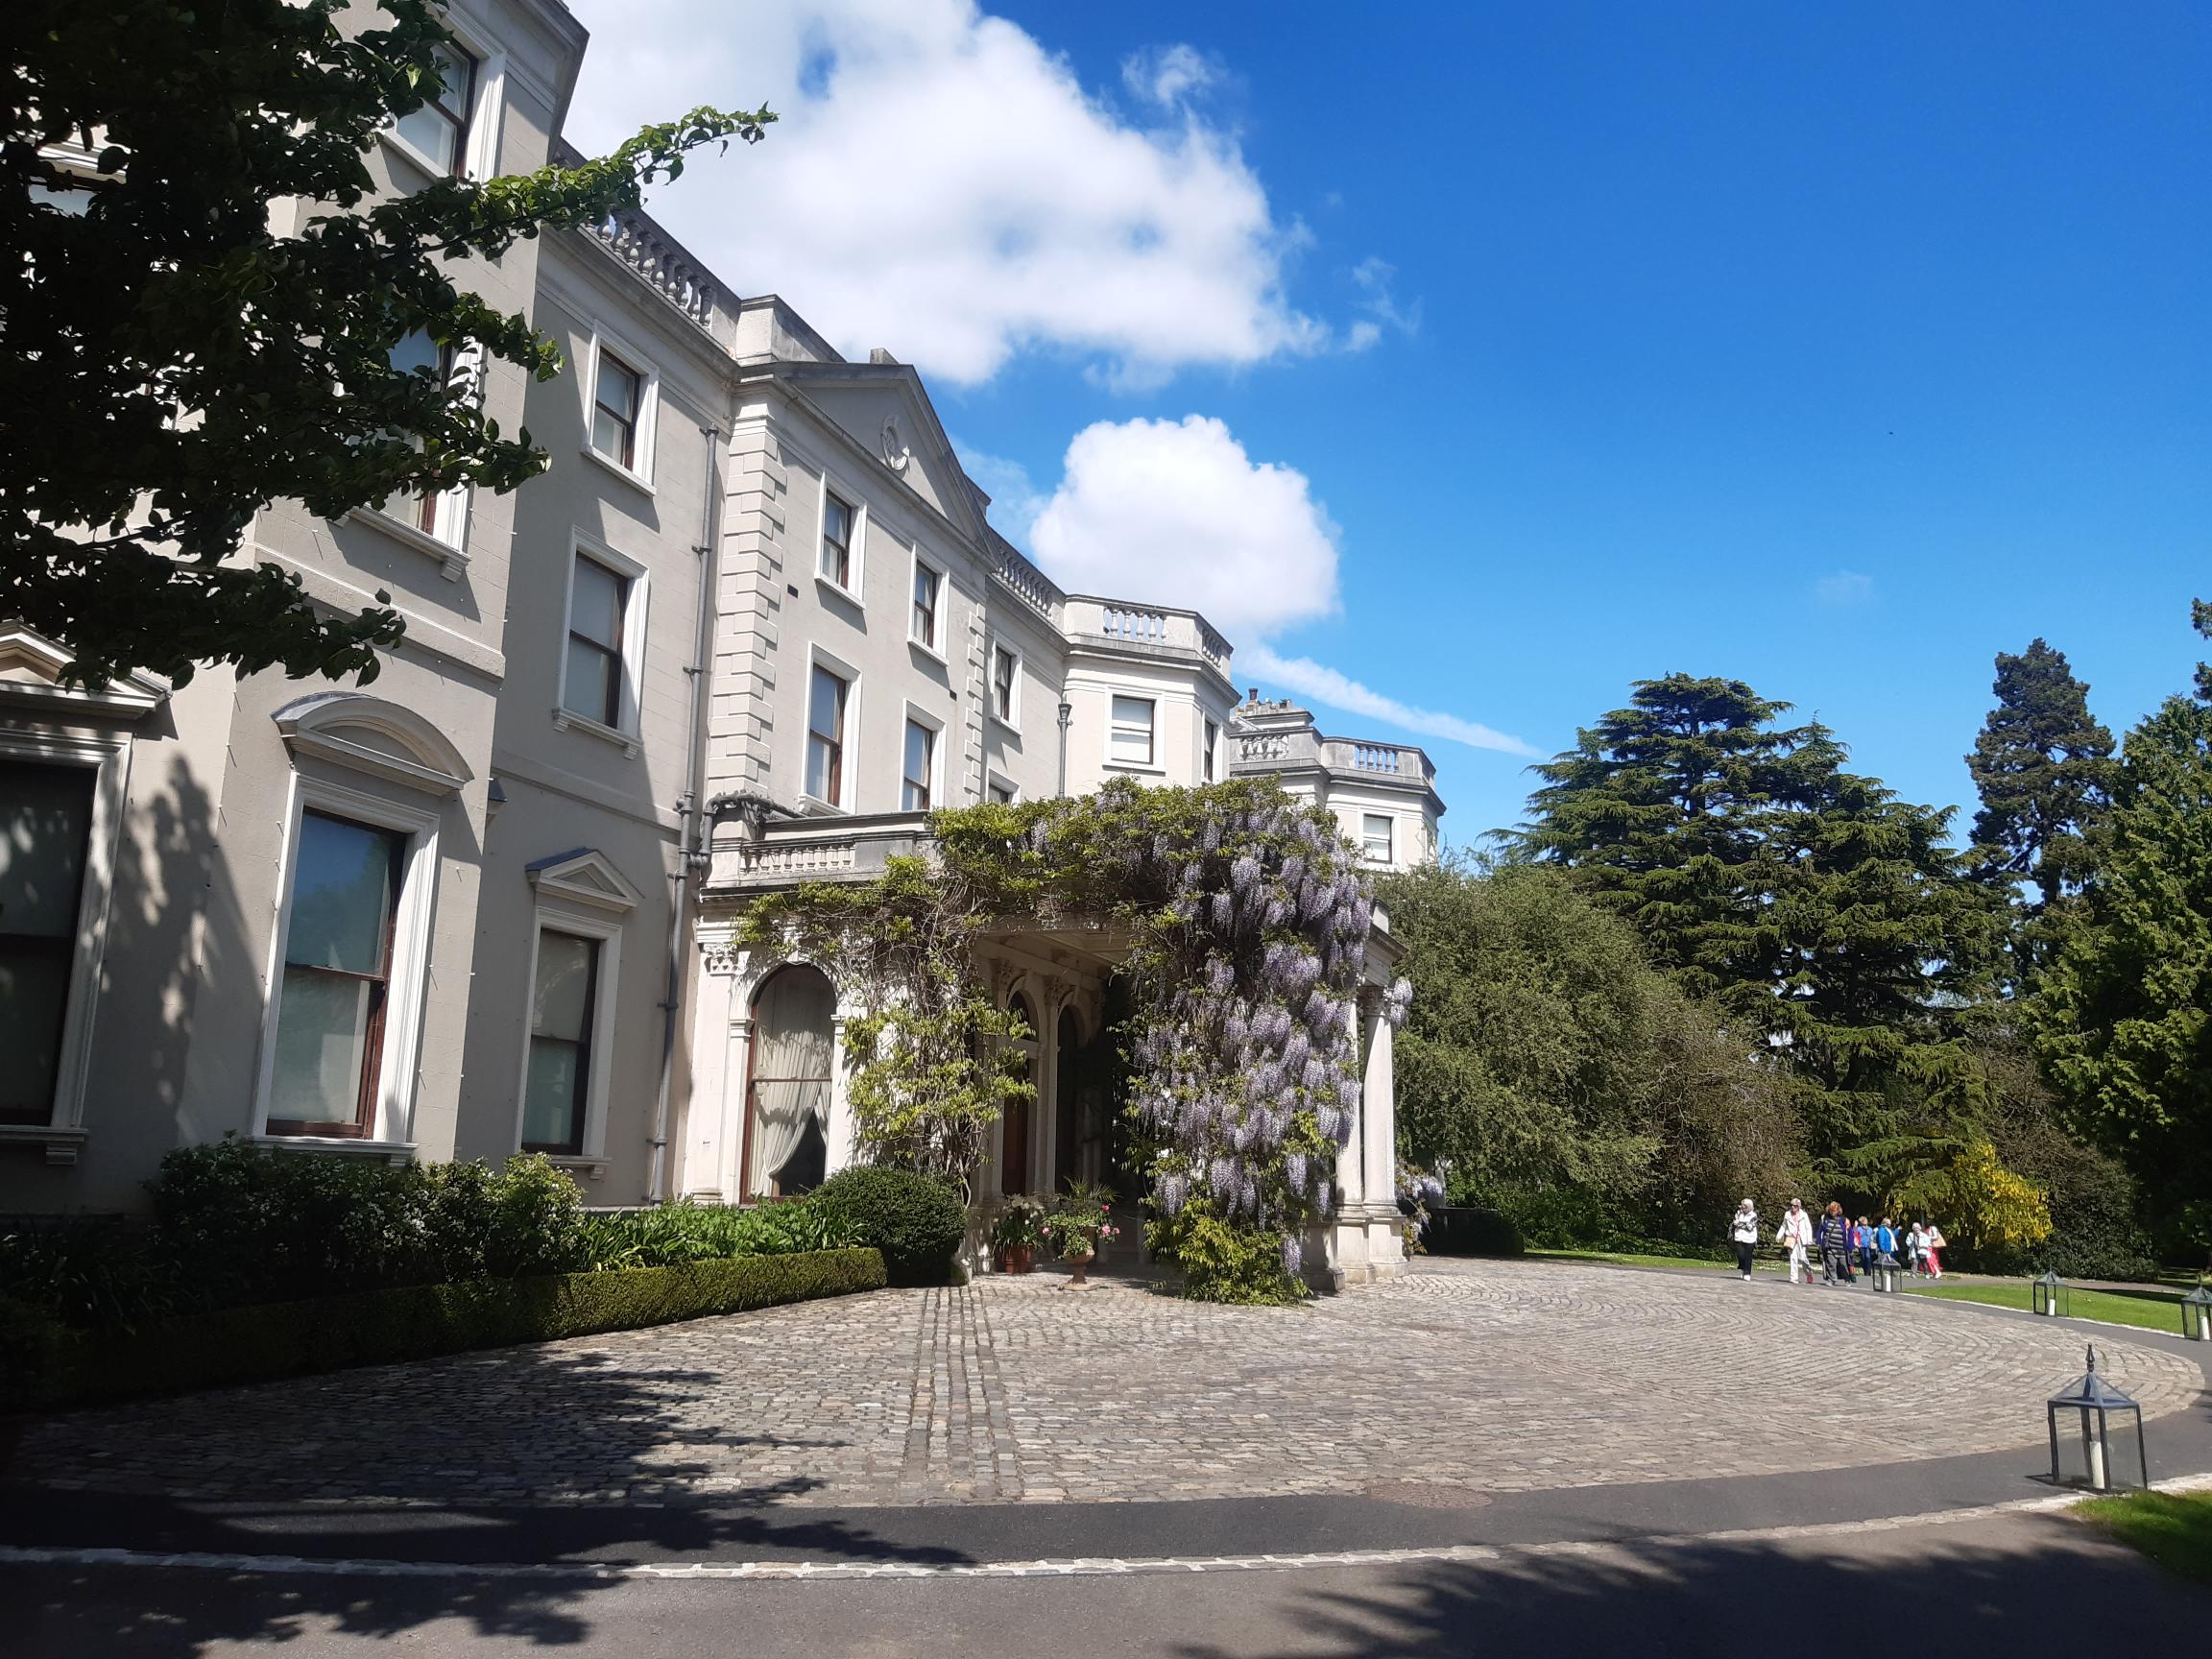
(793, 1049)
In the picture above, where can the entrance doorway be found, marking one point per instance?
(794, 1042)
(1014, 1127)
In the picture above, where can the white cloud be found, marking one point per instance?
(1373, 279)
(1015, 500)
(1326, 684)
(941, 184)
(1845, 587)
(1177, 513)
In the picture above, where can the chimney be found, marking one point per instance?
(880, 356)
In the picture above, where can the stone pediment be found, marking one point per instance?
(883, 409)
(374, 736)
(583, 876)
(31, 668)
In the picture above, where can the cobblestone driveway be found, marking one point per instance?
(1495, 1375)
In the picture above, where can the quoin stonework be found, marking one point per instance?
(749, 628)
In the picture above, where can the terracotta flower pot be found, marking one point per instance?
(1077, 1260)
(1016, 1257)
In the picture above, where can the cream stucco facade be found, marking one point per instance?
(750, 626)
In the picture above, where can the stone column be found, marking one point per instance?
(1379, 1116)
(837, 1134)
(714, 1128)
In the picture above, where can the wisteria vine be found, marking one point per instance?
(1246, 918)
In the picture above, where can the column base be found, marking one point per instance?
(1360, 1244)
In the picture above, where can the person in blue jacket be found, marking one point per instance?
(1885, 1240)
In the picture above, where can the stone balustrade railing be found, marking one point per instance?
(793, 850)
(1378, 760)
(664, 265)
(1023, 579)
(1148, 627)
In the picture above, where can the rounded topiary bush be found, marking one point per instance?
(915, 1220)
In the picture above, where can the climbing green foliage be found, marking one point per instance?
(1243, 919)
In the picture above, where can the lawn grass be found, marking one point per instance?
(2173, 1529)
(2152, 1308)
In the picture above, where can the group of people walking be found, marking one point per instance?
(1847, 1247)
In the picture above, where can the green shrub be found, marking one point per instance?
(918, 1221)
(32, 1344)
(1223, 1263)
(1471, 1230)
(681, 1231)
(245, 1225)
(88, 1271)
(376, 1327)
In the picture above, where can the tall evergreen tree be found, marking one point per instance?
(1806, 900)
(2042, 765)
(2121, 1015)
(1657, 810)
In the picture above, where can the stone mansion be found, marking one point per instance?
(750, 627)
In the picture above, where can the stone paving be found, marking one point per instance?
(1495, 1376)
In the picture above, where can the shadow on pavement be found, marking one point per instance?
(2039, 1585)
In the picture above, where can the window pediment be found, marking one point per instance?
(584, 876)
(374, 736)
(30, 667)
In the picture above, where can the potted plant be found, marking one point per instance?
(1078, 1221)
(1016, 1233)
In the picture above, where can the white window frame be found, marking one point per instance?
(639, 473)
(1389, 822)
(625, 731)
(108, 756)
(1012, 718)
(994, 778)
(481, 147)
(856, 548)
(553, 916)
(407, 985)
(1209, 750)
(1152, 731)
(849, 746)
(918, 715)
(941, 615)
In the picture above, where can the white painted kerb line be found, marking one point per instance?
(1071, 1567)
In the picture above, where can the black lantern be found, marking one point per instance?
(2052, 1297)
(1884, 1275)
(2196, 1315)
(2096, 1436)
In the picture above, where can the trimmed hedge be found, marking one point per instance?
(416, 1322)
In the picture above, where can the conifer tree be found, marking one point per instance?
(1657, 810)
(2121, 1015)
(2042, 765)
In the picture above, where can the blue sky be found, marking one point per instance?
(1832, 347)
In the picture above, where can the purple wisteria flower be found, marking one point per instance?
(1170, 1191)
(1293, 1257)
(1294, 1170)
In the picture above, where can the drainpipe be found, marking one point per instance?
(690, 855)
(1066, 714)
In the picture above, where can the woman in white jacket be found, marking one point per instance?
(1796, 1233)
(1744, 1234)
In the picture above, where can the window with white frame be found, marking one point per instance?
(827, 698)
(1212, 752)
(439, 514)
(1129, 735)
(618, 405)
(839, 522)
(1001, 790)
(928, 584)
(595, 679)
(45, 840)
(1376, 837)
(333, 1000)
(439, 129)
(1006, 684)
(920, 767)
(564, 1020)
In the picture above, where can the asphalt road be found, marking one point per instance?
(2018, 1585)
